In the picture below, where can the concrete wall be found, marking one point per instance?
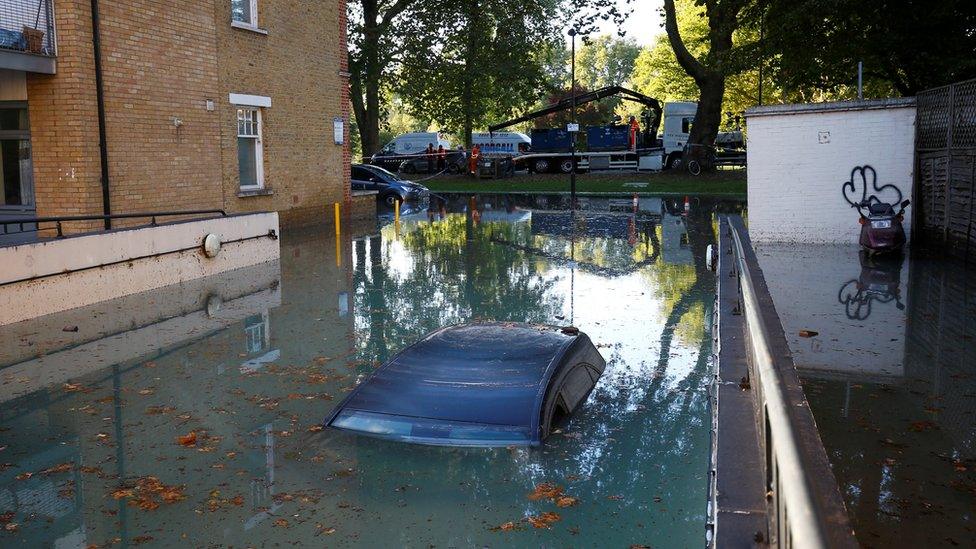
(56, 275)
(801, 155)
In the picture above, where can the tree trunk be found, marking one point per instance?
(365, 82)
(469, 71)
(708, 115)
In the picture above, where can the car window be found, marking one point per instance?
(360, 174)
(386, 174)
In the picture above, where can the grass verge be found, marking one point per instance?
(721, 182)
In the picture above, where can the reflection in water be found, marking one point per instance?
(891, 380)
(79, 444)
(880, 281)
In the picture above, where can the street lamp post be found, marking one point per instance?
(572, 135)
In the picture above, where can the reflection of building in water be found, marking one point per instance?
(853, 305)
(675, 248)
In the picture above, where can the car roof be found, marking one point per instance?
(486, 373)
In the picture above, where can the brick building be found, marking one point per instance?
(230, 104)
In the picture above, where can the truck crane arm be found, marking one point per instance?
(652, 105)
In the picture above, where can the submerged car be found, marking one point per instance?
(484, 384)
(391, 188)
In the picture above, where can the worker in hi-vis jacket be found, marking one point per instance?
(634, 128)
(473, 159)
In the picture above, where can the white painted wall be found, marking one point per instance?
(56, 275)
(799, 156)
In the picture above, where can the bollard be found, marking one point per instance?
(396, 212)
(338, 228)
(338, 253)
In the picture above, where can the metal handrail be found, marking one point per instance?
(58, 220)
(804, 519)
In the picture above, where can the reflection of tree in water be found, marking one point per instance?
(453, 274)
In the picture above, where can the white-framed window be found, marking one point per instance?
(244, 12)
(250, 152)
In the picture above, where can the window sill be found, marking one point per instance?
(245, 193)
(245, 26)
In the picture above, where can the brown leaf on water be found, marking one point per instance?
(506, 527)
(172, 494)
(808, 333)
(24, 476)
(189, 439)
(237, 500)
(545, 520)
(73, 387)
(60, 468)
(317, 378)
(123, 493)
(159, 410)
(138, 540)
(545, 490)
(11, 526)
(147, 392)
(919, 426)
(566, 501)
(315, 428)
(615, 497)
(281, 522)
(145, 503)
(5, 518)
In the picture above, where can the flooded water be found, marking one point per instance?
(891, 380)
(193, 414)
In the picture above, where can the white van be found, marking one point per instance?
(415, 143)
(501, 143)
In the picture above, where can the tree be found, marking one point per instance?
(906, 45)
(657, 72)
(469, 63)
(710, 69)
(606, 61)
(372, 55)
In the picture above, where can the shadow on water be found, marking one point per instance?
(251, 361)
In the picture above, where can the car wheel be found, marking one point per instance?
(541, 165)
(390, 199)
(408, 167)
(566, 166)
(694, 167)
(454, 169)
(674, 161)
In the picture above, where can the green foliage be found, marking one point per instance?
(906, 45)
(606, 61)
(470, 63)
(658, 74)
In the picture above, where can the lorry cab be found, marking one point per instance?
(679, 117)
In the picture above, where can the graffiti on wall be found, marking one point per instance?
(862, 189)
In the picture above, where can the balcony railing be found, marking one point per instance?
(27, 26)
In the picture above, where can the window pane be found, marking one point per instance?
(13, 119)
(241, 10)
(16, 172)
(247, 161)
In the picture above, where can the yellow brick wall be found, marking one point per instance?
(297, 64)
(164, 59)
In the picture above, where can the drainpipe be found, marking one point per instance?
(100, 97)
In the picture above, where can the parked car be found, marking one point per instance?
(455, 162)
(391, 188)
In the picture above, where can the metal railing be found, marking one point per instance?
(805, 506)
(34, 223)
(27, 26)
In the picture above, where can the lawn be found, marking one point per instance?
(721, 182)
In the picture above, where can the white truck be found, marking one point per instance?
(679, 116)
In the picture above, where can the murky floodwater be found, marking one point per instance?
(192, 414)
(891, 380)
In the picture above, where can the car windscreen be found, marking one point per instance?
(430, 431)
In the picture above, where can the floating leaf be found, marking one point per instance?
(545, 520)
(545, 491)
(566, 501)
(189, 439)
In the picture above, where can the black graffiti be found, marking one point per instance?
(850, 188)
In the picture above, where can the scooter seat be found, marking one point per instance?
(880, 208)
